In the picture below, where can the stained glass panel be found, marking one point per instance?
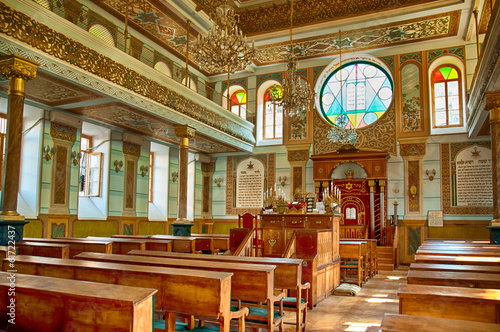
(357, 95)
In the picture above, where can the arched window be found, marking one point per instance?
(239, 103)
(101, 32)
(357, 95)
(273, 116)
(162, 67)
(446, 90)
(192, 84)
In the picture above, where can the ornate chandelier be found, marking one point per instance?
(296, 95)
(346, 138)
(224, 49)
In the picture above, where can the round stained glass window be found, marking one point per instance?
(356, 96)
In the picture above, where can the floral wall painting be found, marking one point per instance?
(412, 110)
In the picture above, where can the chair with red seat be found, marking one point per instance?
(249, 220)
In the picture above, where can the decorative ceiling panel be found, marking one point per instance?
(155, 19)
(53, 91)
(425, 28)
(264, 17)
(141, 122)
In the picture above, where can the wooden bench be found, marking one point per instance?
(4, 252)
(474, 304)
(459, 252)
(250, 282)
(126, 242)
(220, 241)
(455, 279)
(70, 305)
(455, 268)
(459, 260)
(55, 250)
(179, 243)
(452, 246)
(287, 275)
(77, 246)
(151, 244)
(205, 242)
(180, 291)
(366, 252)
(410, 323)
(351, 258)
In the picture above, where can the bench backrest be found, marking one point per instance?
(179, 290)
(260, 277)
(350, 250)
(455, 268)
(68, 305)
(288, 272)
(459, 252)
(458, 279)
(55, 250)
(474, 260)
(77, 246)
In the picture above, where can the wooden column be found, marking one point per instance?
(184, 132)
(18, 70)
(382, 211)
(493, 105)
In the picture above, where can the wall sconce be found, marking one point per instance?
(175, 175)
(118, 165)
(76, 157)
(282, 180)
(218, 181)
(144, 170)
(49, 152)
(430, 174)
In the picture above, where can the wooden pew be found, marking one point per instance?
(455, 268)
(460, 260)
(474, 304)
(71, 305)
(288, 275)
(77, 246)
(179, 243)
(55, 250)
(410, 323)
(455, 279)
(220, 241)
(151, 244)
(460, 246)
(4, 252)
(250, 282)
(205, 242)
(126, 242)
(351, 258)
(180, 291)
(459, 252)
(366, 252)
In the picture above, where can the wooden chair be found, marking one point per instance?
(249, 220)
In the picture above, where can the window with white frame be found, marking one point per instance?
(273, 115)
(446, 83)
(90, 169)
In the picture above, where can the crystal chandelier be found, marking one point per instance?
(346, 138)
(224, 49)
(296, 95)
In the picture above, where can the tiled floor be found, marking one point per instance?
(355, 313)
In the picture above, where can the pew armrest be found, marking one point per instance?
(240, 315)
(305, 287)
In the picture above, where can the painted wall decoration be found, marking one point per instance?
(414, 186)
(269, 163)
(250, 184)
(458, 162)
(412, 109)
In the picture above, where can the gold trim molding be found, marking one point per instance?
(15, 66)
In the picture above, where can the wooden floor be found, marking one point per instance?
(356, 313)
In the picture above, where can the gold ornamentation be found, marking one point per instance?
(492, 100)
(131, 149)
(15, 66)
(380, 135)
(184, 131)
(20, 26)
(118, 165)
(62, 132)
(431, 27)
(349, 173)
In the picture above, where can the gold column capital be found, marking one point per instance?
(493, 105)
(15, 66)
(184, 132)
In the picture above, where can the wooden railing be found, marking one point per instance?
(244, 246)
(290, 246)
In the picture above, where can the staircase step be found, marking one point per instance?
(385, 267)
